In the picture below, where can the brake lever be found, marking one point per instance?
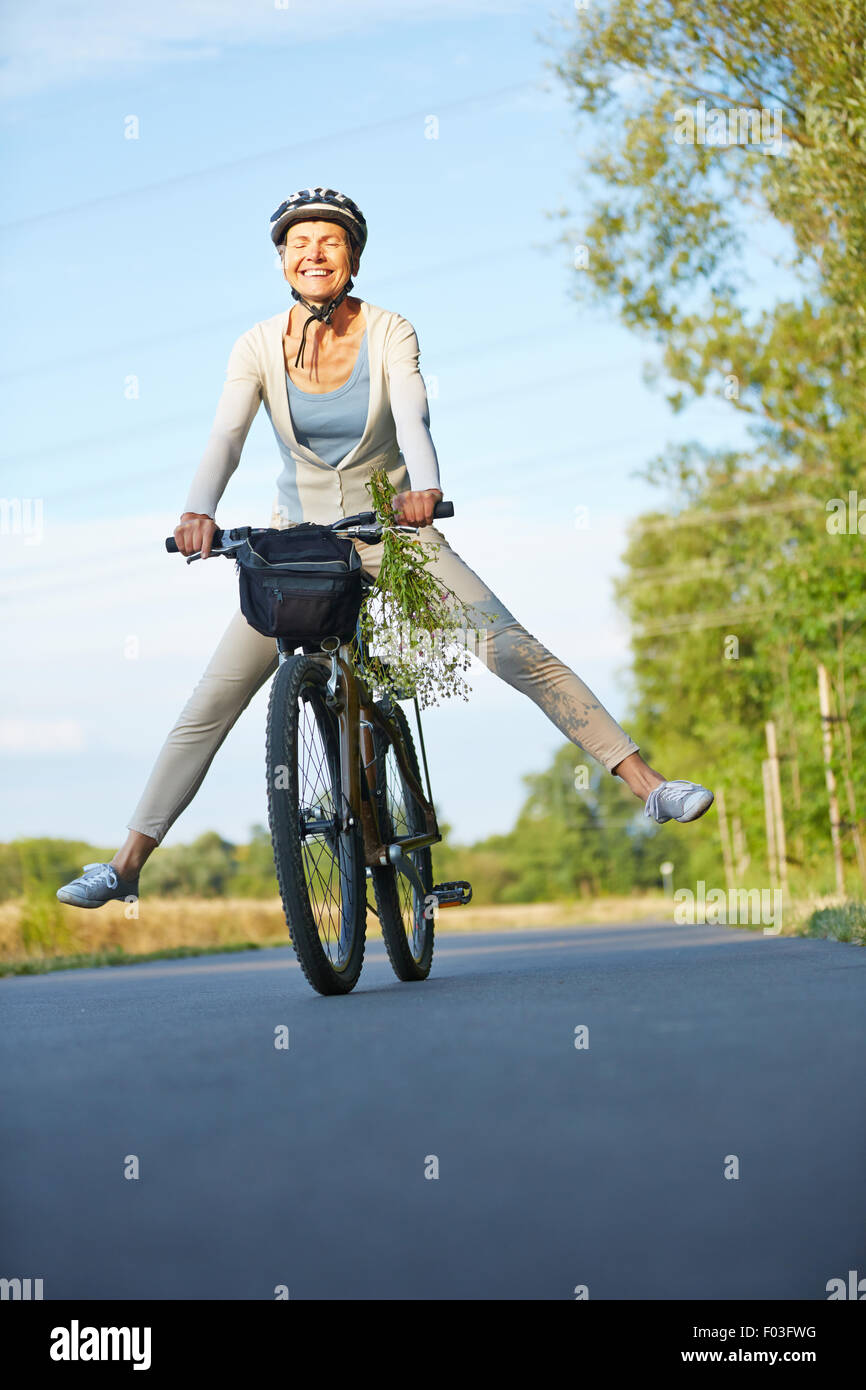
(220, 550)
(373, 533)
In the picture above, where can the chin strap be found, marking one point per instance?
(321, 312)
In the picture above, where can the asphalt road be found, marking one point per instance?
(557, 1166)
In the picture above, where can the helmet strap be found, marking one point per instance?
(323, 313)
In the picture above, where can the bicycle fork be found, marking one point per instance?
(357, 751)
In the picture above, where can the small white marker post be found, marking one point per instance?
(667, 872)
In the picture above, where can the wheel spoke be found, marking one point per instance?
(319, 862)
(327, 858)
(400, 807)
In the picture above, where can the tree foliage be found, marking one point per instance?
(739, 585)
(579, 833)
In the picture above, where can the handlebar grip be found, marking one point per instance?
(443, 509)
(171, 543)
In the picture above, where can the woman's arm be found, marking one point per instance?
(409, 408)
(240, 399)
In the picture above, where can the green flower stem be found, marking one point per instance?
(419, 621)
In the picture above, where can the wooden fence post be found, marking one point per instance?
(742, 858)
(829, 777)
(848, 765)
(726, 846)
(769, 821)
(778, 819)
(799, 843)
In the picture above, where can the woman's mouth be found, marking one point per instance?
(316, 274)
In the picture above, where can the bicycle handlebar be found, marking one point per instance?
(367, 520)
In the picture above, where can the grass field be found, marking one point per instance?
(38, 933)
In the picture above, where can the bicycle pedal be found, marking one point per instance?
(453, 894)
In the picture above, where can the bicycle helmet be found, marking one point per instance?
(319, 205)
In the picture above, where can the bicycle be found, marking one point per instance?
(346, 801)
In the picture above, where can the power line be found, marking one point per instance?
(25, 591)
(663, 573)
(686, 622)
(189, 419)
(122, 484)
(127, 551)
(146, 190)
(739, 513)
(180, 334)
(542, 458)
(97, 441)
(81, 359)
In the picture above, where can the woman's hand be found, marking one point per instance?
(416, 508)
(195, 532)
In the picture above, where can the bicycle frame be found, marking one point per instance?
(352, 701)
(357, 716)
(350, 697)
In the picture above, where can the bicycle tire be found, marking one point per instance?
(409, 951)
(304, 795)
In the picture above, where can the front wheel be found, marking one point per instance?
(405, 914)
(319, 864)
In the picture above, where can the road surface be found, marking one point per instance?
(305, 1167)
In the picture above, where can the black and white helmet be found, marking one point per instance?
(319, 205)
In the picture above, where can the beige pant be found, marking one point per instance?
(245, 659)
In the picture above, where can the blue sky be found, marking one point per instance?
(144, 259)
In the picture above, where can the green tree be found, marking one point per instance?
(579, 833)
(737, 586)
(256, 876)
(206, 868)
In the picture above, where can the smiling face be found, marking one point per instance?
(318, 259)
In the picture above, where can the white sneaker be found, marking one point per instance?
(678, 800)
(98, 884)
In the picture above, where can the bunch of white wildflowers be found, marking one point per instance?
(417, 633)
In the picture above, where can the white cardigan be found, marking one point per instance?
(396, 437)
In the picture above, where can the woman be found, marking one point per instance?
(340, 382)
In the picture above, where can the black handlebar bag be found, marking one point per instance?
(302, 584)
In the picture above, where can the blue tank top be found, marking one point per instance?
(332, 422)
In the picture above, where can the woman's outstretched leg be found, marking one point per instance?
(133, 854)
(513, 654)
(239, 667)
(638, 775)
(241, 664)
